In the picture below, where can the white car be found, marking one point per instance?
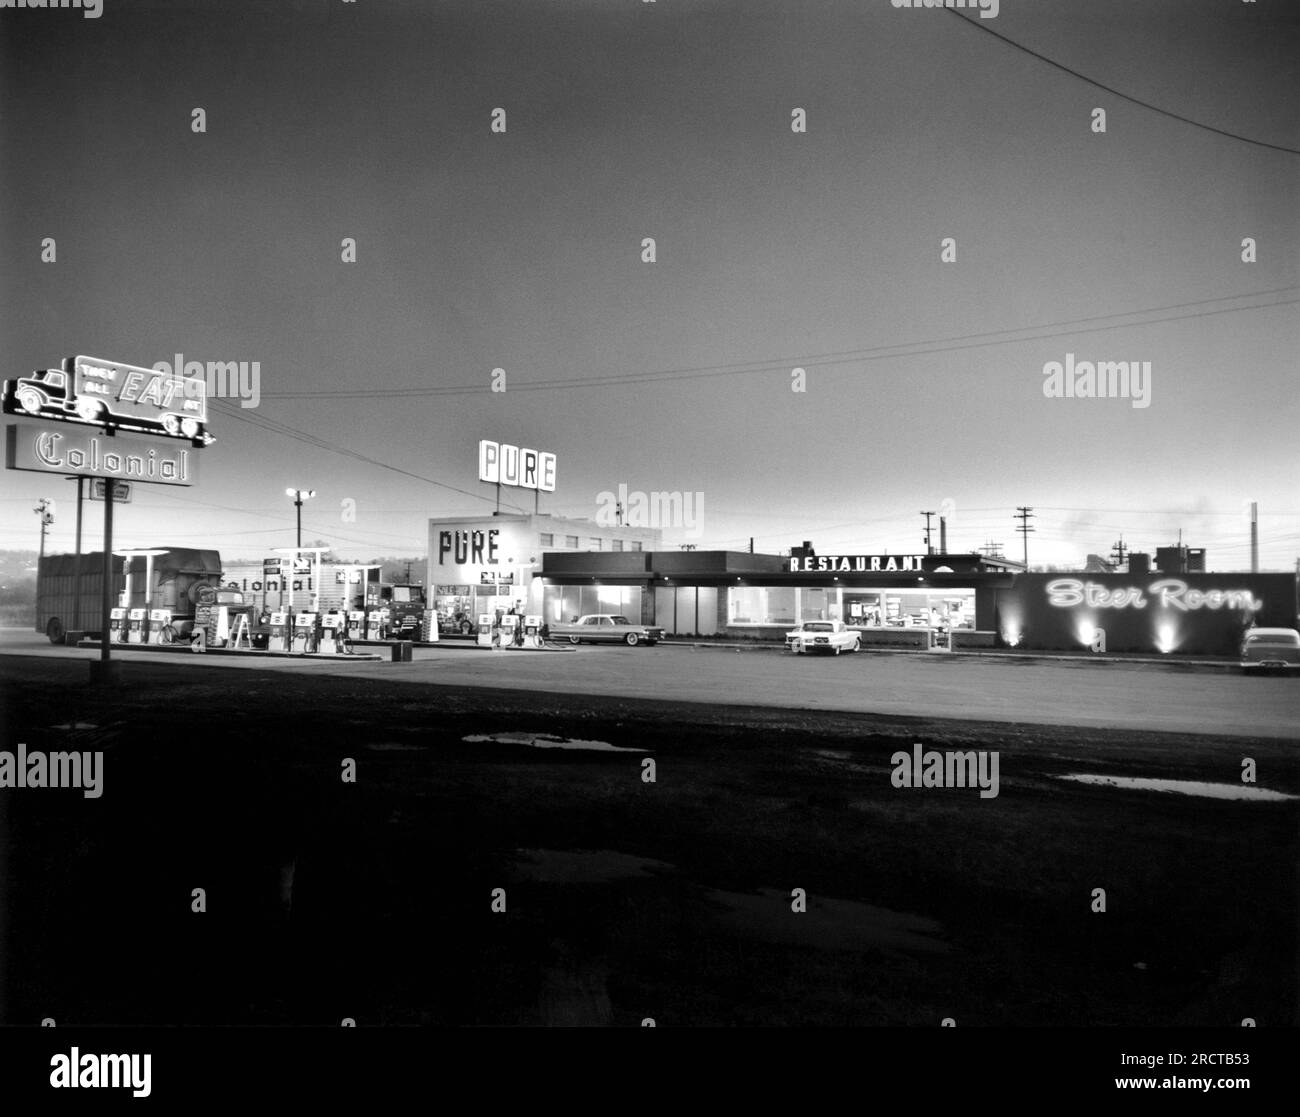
(822, 636)
(1269, 649)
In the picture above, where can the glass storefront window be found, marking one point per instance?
(769, 605)
(819, 604)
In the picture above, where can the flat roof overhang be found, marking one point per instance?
(864, 580)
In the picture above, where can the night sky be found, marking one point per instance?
(775, 249)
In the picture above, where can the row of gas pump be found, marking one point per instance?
(510, 630)
(324, 633)
(139, 626)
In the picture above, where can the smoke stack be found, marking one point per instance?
(1254, 537)
(943, 535)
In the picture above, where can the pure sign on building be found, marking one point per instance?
(503, 464)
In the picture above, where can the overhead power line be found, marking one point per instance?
(980, 340)
(981, 26)
(277, 427)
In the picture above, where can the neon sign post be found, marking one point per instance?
(88, 401)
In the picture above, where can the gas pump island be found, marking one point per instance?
(92, 418)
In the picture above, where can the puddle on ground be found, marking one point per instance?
(75, 725)
(828, 924)
(393, 746)
(548, 741)
(582, 866)
(1186, 787)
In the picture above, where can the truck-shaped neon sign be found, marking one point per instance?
(110, 394)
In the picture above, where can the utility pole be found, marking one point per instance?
(45, 509)
(928, 549)
(299, 495)
(991, 549)
(408, 572)
(1024, 514)
(1119, 552)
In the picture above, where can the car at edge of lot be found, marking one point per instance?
(822, 636)
(1268, 649)
(606, 628)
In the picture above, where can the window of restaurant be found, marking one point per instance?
(687, 610)
(818, 604)
(547, 539)
(767, 605)
(949, 608)
(771, 606)
(562, 604)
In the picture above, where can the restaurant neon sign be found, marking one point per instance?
(1168, 593)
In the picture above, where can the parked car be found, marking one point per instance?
(1265, 649)
(822, 636)
(606, 628)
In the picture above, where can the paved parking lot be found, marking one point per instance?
(1109, 695)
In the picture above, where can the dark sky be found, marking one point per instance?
(671, 120)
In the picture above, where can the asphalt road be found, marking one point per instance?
(1115, 695)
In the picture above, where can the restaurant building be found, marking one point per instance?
(904, 600)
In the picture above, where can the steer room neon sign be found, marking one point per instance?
(1168, 593)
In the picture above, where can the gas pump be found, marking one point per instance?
(509, 626)
(376, 624)
(305, 636)
(485, 630)
(137, 626)
(117, 626)
(279, 639)
(333, 625)
(532, 631)
(158, 620)
(356, 624)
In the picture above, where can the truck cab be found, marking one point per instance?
(405, 603)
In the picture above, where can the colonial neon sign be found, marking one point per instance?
(93, 455)
(1168, 593)
(855, 563)
(502, 464)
